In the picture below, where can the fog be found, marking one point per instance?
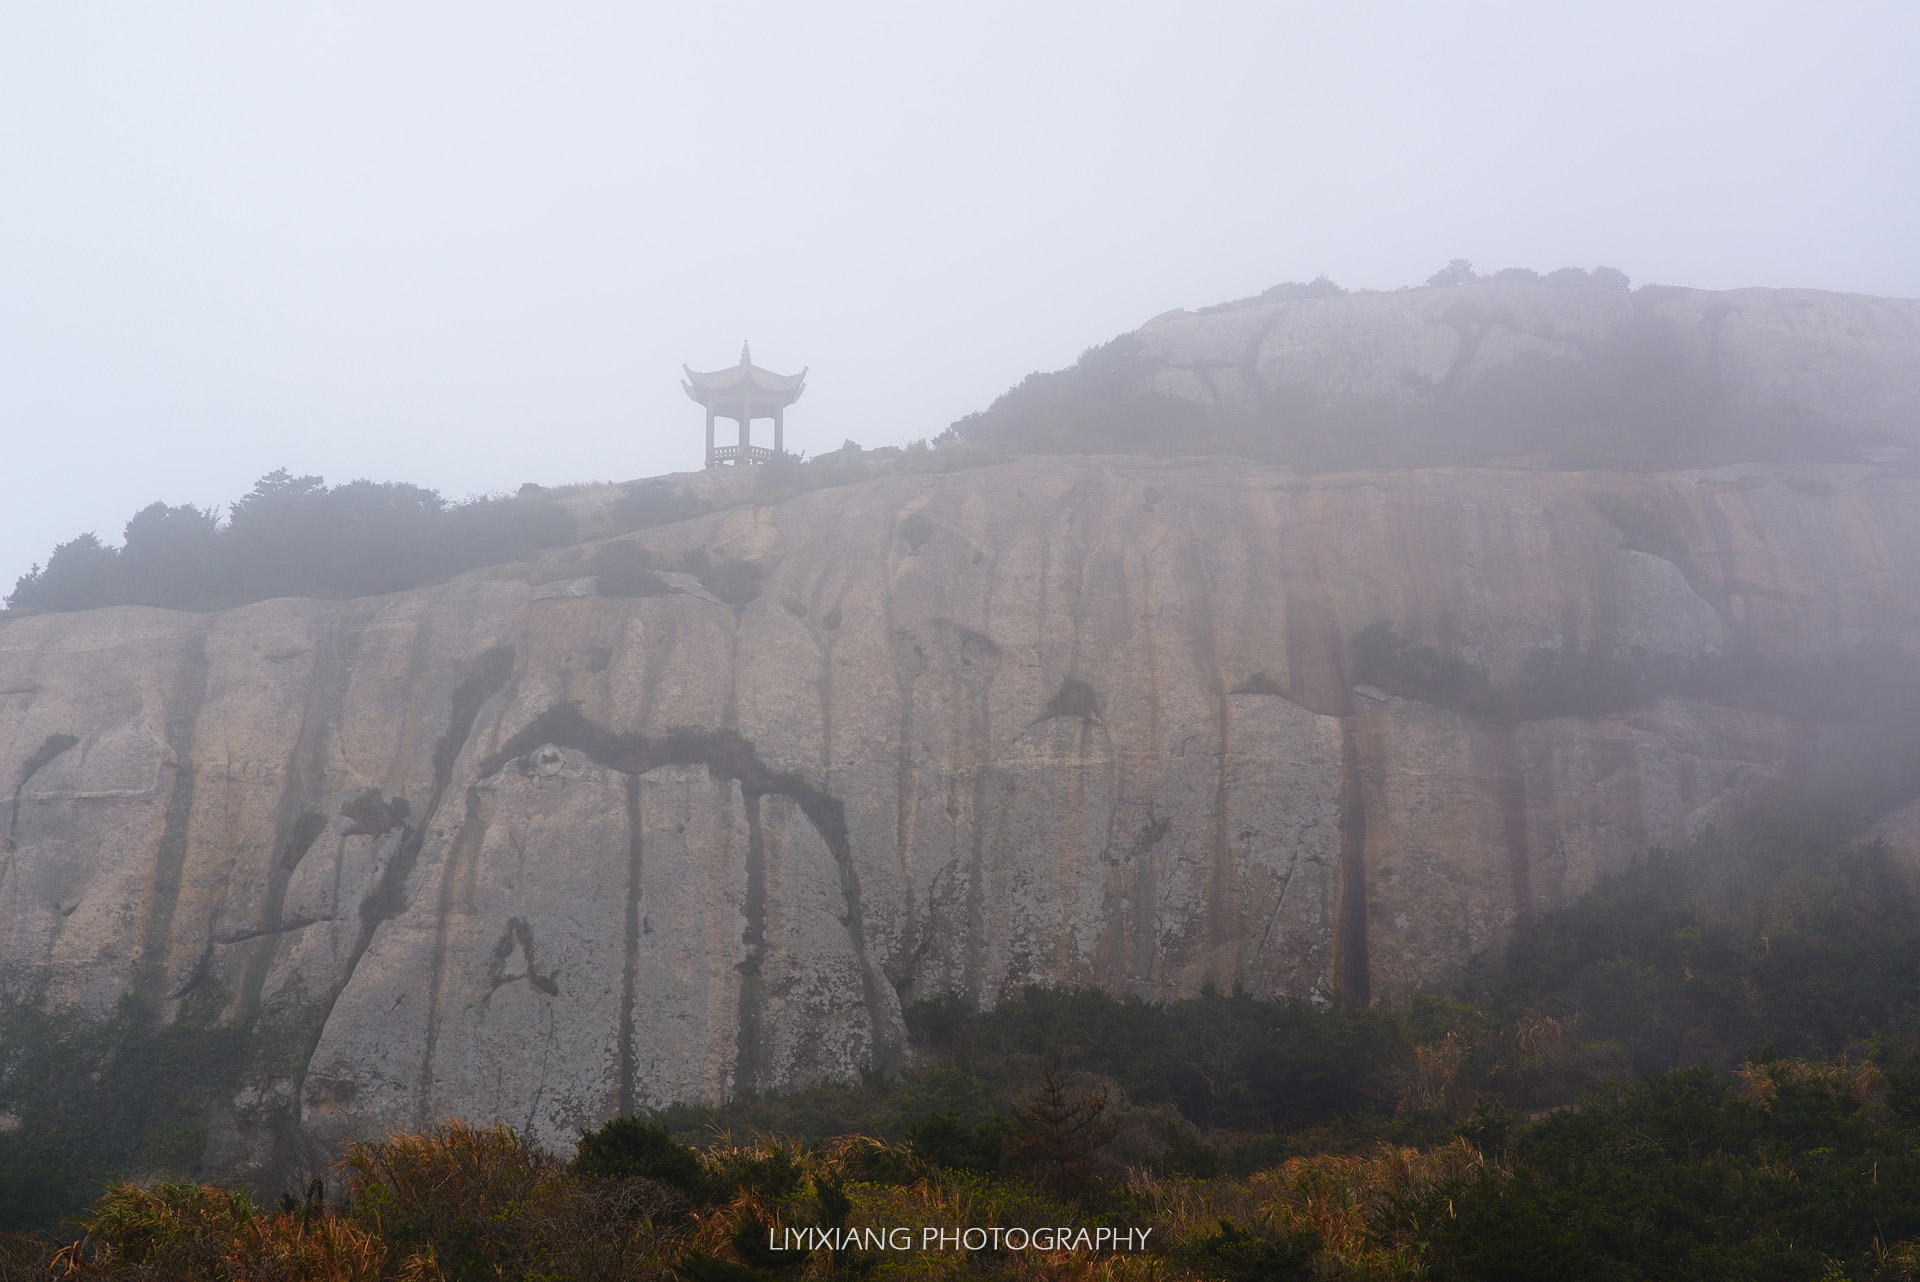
(470, 245)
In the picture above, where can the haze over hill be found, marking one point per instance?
(1566, 370)
(1569, 370)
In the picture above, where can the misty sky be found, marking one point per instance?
(469, 244)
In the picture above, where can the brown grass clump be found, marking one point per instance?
(460, 1198)
(1431, 1078)
(1358, 1207)
(24, 1258)
(183, 1231)
(456, 1201)
(1760, 1084)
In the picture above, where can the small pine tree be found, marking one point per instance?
(1058, 1136)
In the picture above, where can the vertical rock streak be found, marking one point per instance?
(305, 781)
(169, 862)
(630, 961)
(1510, 792)
(753, 985)
(488, 675)
(1318, 679)
(466, 844)
(1351, 964)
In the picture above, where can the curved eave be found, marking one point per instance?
(764, 388)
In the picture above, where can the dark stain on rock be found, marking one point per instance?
(374, 815)
(1510, 791)
(630, 967)
(753, 985)
(488, 676)
(170, 860)
(473, 831)
(726, 754)
(1350, 972)
(1075, 698)
(1258, 683)
(1150, 834)
(976, 647)
(917, 530)
(518, 936)
(50, 747)
(306, 830)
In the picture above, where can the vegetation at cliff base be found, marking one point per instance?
(1707, 1067)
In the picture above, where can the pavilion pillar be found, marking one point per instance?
(709, 436)
(779, 431)
(746, 430)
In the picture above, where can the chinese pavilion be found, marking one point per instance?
(744, 393)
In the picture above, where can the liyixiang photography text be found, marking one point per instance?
(930, 1237)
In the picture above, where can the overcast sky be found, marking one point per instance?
(469, 244)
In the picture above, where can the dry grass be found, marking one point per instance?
(1861, 1079)
(183, 1231)
(1358, 1206)
(464, 1201)
(420, 1208)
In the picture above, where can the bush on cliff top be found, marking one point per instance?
(292, 536)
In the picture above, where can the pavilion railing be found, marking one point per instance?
(741, 454)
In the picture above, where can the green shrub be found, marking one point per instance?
(629, 1147)
(944, 1140)
(655, 502)
(916, 529)
(1232, 1254)
(97, 1098)
(735, 582)
(293, 536)
(625, 568)
(769, 1172)
(1074, 698)
(1383, 658)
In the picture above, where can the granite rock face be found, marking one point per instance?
(498, 849)
(1848, 363)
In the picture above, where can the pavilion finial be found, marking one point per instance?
(746, 356)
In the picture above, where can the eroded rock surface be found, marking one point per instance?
(1848, 363)
(500, 851)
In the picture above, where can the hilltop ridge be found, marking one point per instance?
(1501, 371)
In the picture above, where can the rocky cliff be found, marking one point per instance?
(1511, 371)
(511, 848)
(1848, 362)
